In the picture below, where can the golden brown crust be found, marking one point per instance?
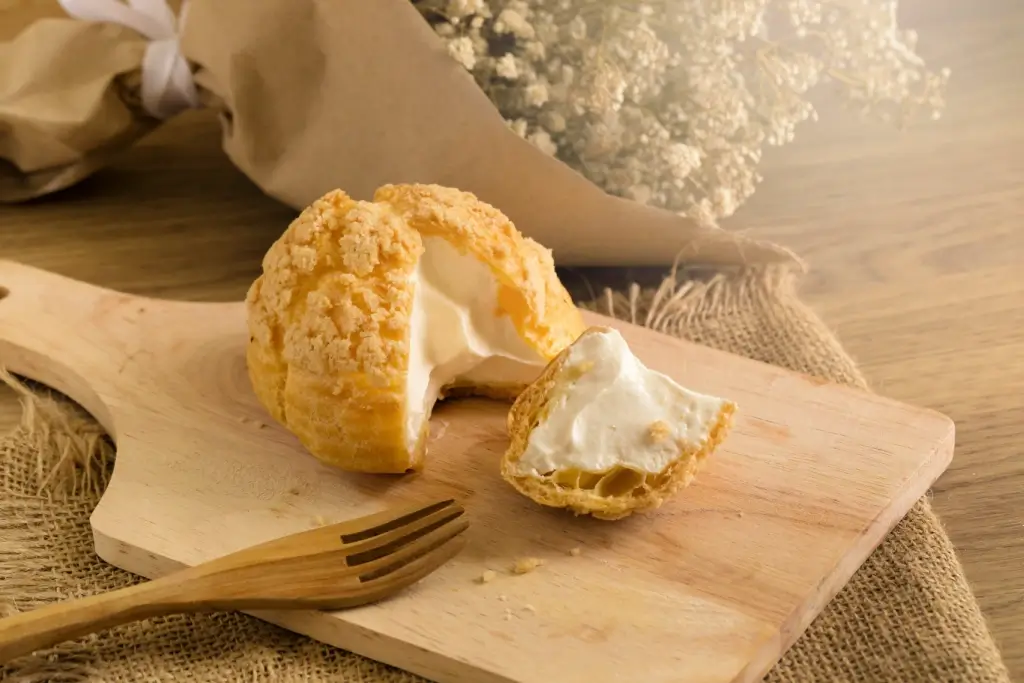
(329, 316)
(611, 495)
(328, 321)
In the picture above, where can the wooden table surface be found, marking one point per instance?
(915, 239)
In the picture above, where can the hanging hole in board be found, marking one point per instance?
(4, 292)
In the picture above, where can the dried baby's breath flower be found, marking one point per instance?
(506, 67)
(461, 49)
(671, 102)
(465, 8)
(542, 141)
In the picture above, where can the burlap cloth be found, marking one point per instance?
(907, 615)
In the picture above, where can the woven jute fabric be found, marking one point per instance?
(907, 615)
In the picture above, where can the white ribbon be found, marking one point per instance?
(167, 85)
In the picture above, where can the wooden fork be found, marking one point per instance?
(332, 567)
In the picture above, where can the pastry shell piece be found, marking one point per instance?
(620, 483)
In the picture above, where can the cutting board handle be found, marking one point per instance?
(57, 331)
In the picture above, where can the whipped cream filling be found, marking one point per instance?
(456, 332)
(615, 412)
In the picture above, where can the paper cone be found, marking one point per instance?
(315, 96)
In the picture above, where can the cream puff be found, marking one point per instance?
(367, 313)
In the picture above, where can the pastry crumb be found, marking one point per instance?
(503, 598)
(320, 520)
(658, 431)
(487, 576)
(575, 552)
(525, 565)
(508, 614)
(530, 608)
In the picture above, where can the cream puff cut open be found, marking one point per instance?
(368, 312)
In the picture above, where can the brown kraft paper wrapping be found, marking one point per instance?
(314, 96)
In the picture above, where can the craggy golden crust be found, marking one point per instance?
(608, 495)
(328, 321)
(329, 316)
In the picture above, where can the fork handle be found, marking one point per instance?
(27, 632)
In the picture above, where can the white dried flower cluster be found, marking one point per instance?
(671, 102)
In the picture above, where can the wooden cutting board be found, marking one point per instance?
(713, 587)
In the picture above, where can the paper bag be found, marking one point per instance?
(312, 96)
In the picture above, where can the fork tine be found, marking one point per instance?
(410, 573)
(412, 550)
(382, 522)
(387, 542)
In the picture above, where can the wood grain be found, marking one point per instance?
(915, 240)
(809, 481)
